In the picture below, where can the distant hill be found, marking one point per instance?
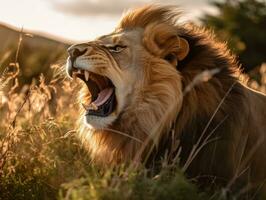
(36, 53)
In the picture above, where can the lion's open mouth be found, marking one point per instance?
(103, 99)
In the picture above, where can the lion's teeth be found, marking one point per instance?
(92, 106)
(87, 75)
(79, 71)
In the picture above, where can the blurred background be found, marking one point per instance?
(40, 155)
(43, 29)
(81, 19)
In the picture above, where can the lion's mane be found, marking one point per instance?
(218, 113)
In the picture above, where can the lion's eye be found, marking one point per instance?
(116, 48)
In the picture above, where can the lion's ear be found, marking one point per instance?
(183, 48)
(176, 51)
(162, 40)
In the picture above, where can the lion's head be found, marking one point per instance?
(134, 86)
(133, 68)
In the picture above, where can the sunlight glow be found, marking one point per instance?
(41, 16)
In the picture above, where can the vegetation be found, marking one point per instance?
(41, 158)
(40, 155)
(242, 24)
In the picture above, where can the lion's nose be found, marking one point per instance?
(78, 50)
(74, 52)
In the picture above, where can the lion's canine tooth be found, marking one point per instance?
(86, 73)
(92, 106)
(79, 71)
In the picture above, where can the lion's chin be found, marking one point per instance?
(97, 122)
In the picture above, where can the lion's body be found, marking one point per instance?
(236, 151)
(220, 115)
(224, 104)
(233, 114)
(223, 108)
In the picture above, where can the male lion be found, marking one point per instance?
(153, 81)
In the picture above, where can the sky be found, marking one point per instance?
(82, 20)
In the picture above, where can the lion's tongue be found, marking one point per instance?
(103, 96)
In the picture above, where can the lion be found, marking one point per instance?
(153, 81)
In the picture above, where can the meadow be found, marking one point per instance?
(42, 158)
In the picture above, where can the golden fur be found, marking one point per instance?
(226, 117)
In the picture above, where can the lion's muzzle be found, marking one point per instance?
(103, 100)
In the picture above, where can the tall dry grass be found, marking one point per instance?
(38, 149)
(41, 158)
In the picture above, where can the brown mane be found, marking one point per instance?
(219, 113)
(148, 15)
